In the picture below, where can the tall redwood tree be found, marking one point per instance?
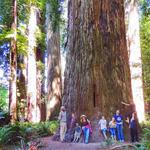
(54, 84)
(13, 65)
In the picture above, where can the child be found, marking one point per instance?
(103, 126)
(77, 133)
(112, 127)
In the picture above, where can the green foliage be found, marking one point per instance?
(40, 39)
(13, 133)
(3, 97)
(109, 142)
(145, 141)
(146, 138)
(5, 13)
(24, 8)
(39, 3)
(22, 44)
(55, 15)
(5, 36)
(40, 65)
(145, 7)
(145, 45)
(22, 40)
(146, 124)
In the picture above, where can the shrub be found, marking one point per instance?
(27, 131)
(145, 139)
(4, 118)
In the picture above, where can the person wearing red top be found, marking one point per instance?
(86, 128)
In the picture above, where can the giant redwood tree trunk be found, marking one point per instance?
(53, 64)
(133, 42)
(13, 66)
(97, 76)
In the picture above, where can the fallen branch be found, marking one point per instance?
(123, 145)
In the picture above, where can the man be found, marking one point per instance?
(63, 123)
(119, 126)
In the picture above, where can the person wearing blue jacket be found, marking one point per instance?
(119, 126)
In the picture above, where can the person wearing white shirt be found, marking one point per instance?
(103, 126)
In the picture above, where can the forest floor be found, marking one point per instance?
(49, 144)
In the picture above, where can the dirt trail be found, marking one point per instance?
(55, 145)
(49, 144)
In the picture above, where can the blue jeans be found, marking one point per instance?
(120, 132)
(113, 132)
(86, 134)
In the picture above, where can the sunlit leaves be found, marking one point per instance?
(40, 39)
(55, 14)
(3, 97)
(5, 12)
(145, 45)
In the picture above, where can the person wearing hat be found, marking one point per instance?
(86, 128)
(63, 122)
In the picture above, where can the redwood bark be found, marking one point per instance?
(13, 66)
(97, 76)
(53, 65)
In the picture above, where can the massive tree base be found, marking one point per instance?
(97, 76)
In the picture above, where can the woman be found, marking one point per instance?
(133, 125)
(86, 128)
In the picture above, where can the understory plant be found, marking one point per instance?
(14, 133)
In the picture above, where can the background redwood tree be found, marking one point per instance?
(13, 65)
(54, 83)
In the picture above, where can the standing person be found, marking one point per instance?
(103, 126)
(119, 125)
(63, 122)
(77, 133)
(112, 127)
(133, 123)
(86, 128)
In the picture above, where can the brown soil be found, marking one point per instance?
(56, 145)
(49, 144)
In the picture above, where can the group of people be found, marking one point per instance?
(115, 126)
